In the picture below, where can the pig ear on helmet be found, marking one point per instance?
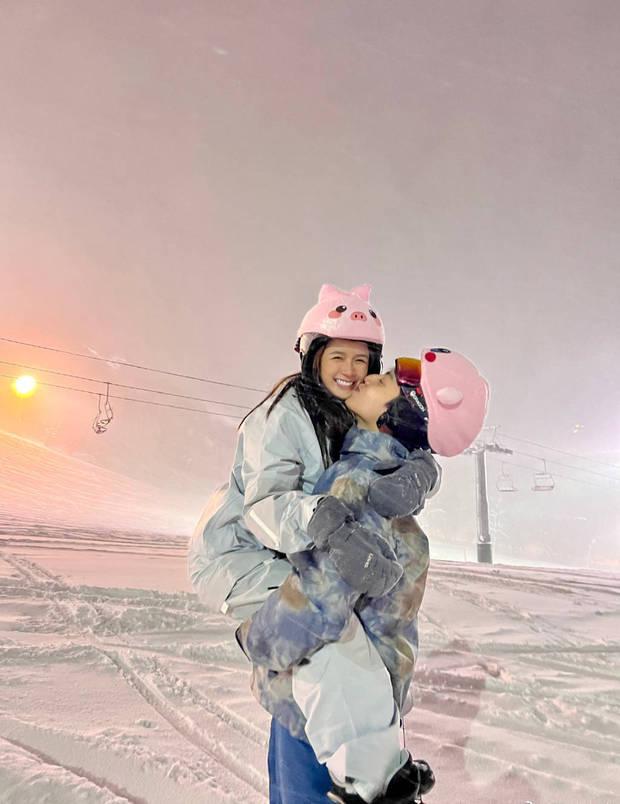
(363, 291)
(331, 291)
(342, 314)
(449, 396)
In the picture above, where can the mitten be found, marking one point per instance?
(329, 516)
(403, 491)
(364, 560)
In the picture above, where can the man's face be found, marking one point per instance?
(372, 396)
(343, 365)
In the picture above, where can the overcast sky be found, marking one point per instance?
(177, 179)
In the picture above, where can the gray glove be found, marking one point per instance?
(363, 558)
(403, 491)
(328, 517)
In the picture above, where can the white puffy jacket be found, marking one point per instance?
(235, 556)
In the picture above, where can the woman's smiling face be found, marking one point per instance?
(343, 365)
(371, 398)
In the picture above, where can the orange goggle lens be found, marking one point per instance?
(408, 371)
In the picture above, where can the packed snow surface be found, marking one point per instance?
(116, 685)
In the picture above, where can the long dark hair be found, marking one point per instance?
(329, 416)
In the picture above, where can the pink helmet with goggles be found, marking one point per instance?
(341, 314)
(455, 397)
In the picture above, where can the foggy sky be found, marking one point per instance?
(178, 179)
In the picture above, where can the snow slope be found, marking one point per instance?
(117, 686)
(44, 486)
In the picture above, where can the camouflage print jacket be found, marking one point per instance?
(314, 604)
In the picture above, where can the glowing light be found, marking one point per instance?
(25, 385)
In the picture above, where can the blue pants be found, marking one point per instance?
(295, 774)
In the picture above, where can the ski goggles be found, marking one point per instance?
(408, 371)
(408, 375)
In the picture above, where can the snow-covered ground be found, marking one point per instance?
(116, 685)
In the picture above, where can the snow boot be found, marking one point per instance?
(420, 773)
(406, 786)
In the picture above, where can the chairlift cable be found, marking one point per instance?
(567, 466)
(138, 366)
(133, 399)
(558, 474)
(120, 385)
(554, 449)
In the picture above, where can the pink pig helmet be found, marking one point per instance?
(447, 402)
(456, 397)
(341, 314)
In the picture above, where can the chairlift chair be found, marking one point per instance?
(104, 416)
(505, 481)
(543, 481)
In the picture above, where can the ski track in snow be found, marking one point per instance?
(36, 576)
(73, 778)
(185, 726)
(511, 696)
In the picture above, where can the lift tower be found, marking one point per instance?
(479, 450)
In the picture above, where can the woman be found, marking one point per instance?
(284, 445)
